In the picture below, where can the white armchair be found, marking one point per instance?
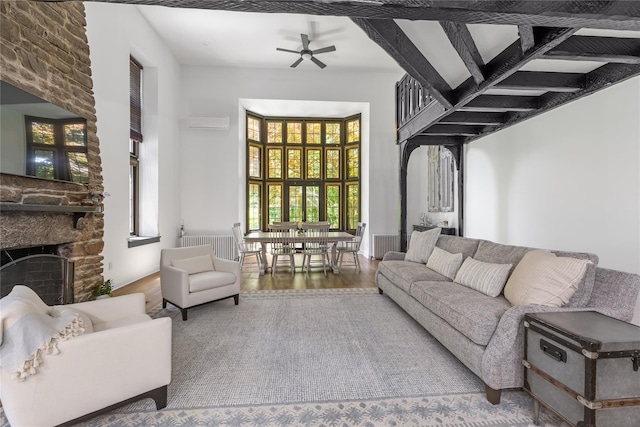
(126, 357)
(194, 276)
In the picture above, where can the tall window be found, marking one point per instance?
(135, 139)
(301, 169)
(57, 149)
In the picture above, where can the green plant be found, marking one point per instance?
(104, 289)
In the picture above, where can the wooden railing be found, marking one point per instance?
(411, 98)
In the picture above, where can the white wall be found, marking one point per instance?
(568, 179)
(115, 32)
(213, 180)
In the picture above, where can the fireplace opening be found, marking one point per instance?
(41, 269)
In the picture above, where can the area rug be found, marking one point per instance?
(347, 357)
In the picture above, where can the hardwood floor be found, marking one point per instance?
(251, 280)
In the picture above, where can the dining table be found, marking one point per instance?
(296, 237)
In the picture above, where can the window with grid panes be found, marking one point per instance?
(310, 172)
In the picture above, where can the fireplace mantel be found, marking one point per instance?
(4, 206)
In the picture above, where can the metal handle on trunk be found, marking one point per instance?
(553, 352)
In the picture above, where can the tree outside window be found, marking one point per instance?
(311, 171)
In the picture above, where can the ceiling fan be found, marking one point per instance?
(307, 53)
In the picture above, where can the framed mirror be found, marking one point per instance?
(440, 169)
(41, 139)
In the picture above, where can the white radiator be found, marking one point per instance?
(224, 246)
(383, 243)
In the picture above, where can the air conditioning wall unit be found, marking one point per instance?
(208, 122)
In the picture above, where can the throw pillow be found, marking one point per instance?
(542, 278)
(421, 245)
(197, 264)
(484, 277)
(444, 262)
(61, 310)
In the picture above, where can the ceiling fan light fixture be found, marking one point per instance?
(308, 54)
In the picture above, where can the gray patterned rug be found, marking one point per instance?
(347, 357)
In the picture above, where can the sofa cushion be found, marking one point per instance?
(500, 254)
(542, 278)
(472, 313)
(194, 265)
(582, 295)
(209, 280)
(485, 277)
(403, 273)
(421, 245)
(444, 262)
(458, 245)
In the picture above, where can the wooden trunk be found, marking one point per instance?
(584, 367)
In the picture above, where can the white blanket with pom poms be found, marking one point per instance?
(28, 333)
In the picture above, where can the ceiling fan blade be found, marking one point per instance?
(305, 41)
(295, 64)
(324, 49)
(318, 62)
(287, 50)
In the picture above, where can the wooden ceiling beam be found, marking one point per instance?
(543, 80)
(390, 37)
(527, 40)
(463, 43)
(603, 49)
(453, 130)
(423, 140)
(600, 78)
(501, 103)
(471, 118)
(614, 14)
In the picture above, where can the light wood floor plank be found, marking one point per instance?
(251, 280)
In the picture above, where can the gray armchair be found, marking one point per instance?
(194, 276)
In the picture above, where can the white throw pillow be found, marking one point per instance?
(421, 245)
(444, 262)
(484, 277)
(197, 264)
(542, 278)
(61, 310)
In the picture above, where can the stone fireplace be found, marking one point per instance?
(45, 52)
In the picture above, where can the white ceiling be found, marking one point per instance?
(249, 40)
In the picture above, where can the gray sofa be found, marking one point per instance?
(486, 333)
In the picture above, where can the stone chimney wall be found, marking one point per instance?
(44, 51)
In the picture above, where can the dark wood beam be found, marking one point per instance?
(471, 118)
(463, 43)
(543, 80)
(527, 40)
(424, 118)
(501, 103)
(600, 78)
(389, 36)
(425, 140)
(510, 60)
(505, 64)
(616, 14)
(603, 49)
(453, 130)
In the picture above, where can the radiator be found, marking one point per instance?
(383, 243)
(224, 246)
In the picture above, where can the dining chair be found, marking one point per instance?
(316, 243)
(245, 248)
(352, 247)
(281, 246)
